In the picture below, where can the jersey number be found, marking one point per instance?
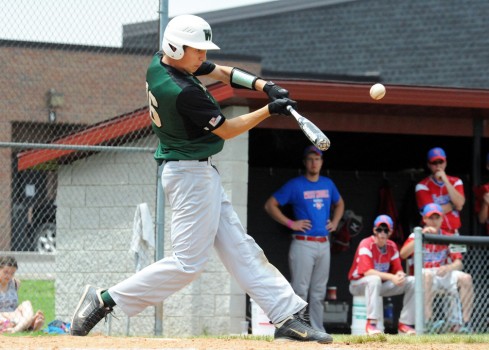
(153, 104)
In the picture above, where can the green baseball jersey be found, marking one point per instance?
(183, 113)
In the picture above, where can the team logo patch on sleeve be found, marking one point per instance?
(214, 121)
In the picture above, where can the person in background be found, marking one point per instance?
(377, 272)
(313, 197)
(482, 203)
(442, 271)
(442, 189)
(15, 317)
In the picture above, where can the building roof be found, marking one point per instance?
(416, 42)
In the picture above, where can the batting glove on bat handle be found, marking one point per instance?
(280, 106)
(274, 91)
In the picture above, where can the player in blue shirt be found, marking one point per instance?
(312, 197)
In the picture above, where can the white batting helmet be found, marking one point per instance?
(187, 30)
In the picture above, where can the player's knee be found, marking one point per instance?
(410, 281)
(375, 281)
(190, 267)
(428, 278)
(26, 304)
(464, 280)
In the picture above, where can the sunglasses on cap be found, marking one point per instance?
(381, 230)
(437, 162)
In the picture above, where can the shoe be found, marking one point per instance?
(304, 315)
(89, 312)
(295, 328)
(406, 329)
(371, 328)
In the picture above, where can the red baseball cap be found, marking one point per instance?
(384, 219)
(432, 208)
(436, 153)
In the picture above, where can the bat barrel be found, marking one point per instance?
(314, 134)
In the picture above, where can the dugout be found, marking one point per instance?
(375, 144)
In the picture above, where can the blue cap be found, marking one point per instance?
(384, 219)
(436, 153)
(432, 208)
(312, 149)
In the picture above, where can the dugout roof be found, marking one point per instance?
(333, 106)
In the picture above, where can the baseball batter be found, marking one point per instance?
(377, 271)
(312, 197)
(191, 128)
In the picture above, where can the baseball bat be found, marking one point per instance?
(312, 132)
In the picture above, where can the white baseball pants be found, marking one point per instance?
(203, 219)
(373, 287)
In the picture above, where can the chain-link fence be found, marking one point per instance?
(75, 144)
(458, 302)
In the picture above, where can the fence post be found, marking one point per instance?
(160, 201)
(418, 280)
(160, 236)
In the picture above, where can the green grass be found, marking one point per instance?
(390, 338)
(41, 295)
(405, 339)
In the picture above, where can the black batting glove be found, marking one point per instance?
(279, 106)
(274, 91)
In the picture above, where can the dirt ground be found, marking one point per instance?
(66, 342)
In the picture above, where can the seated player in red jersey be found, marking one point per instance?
(377, 271)
(442, 272)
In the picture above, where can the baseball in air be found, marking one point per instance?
(377, 91)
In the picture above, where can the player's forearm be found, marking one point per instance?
(383, 275)
(225, 74)
(407, 250)
(457, 199)
(236, 126)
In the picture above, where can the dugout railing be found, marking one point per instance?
(448, 307)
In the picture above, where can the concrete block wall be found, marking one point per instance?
(97, 199)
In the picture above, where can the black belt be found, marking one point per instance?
(177, 160)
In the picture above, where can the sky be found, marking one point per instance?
(91, 22)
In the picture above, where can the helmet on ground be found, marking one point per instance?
(187, 30)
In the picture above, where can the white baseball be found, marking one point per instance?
(377, 91)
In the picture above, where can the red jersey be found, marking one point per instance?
(434, 255)
(479, 194)
(430, 191)
(369, 256)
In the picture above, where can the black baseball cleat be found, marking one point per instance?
(295, 328)
(89, 312)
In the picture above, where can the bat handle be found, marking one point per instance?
(289, 108)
